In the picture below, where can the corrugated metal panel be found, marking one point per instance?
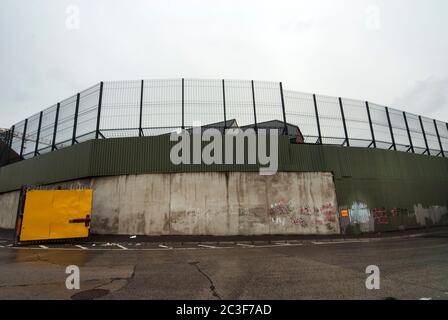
(378, 177)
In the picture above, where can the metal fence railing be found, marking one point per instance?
(155, 107)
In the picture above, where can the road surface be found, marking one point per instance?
(413, 267)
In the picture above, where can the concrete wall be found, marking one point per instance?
(8, 209)
(208, 204)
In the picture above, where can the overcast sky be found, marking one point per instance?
(392, 52)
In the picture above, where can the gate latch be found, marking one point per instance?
(86, 221)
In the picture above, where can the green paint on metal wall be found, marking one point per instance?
(379, 178)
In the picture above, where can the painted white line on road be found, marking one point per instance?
(339, 242)
(279, 245)
(207, 246)
(165, 247)
(43, 247)
(120, 246)
(1, 246)
(81, 247)
(245, 245)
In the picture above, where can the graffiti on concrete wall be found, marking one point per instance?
(365, 219)
(380, 216)
(285, 211)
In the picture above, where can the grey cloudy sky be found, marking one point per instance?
(392, 52)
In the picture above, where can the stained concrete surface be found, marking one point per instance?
(411, 268)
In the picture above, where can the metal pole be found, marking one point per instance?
(370, 124)
(424, 136)
(253, 101)
(438, 138)
(343, 122)
(140, 129)
(98, 117)
(390, 129)
(55, 130)
(409, 133)
(36, 148)
(283, 109)
(75, 122)
(12, 136)
(183, 105)
(10, 143)
(23, 138)
(317, 119)
(224, 104)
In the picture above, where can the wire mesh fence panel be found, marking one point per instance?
(31, 136)
(431, 136)
(399, 128)
(442, 127)
(120, 109)
(162, 105)
(203, 103)
(239, 102)
(17, 138)
(380, 126)
(357, 120)
(87, 113)
(268, 104)
(330, 119)
(47, 130)
(66, 120)
(416, 132)
(300, 111)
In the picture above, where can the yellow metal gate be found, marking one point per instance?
(54, 214)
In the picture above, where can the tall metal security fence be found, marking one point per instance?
(154, 107)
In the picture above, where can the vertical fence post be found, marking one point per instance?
(253, 102)
(283, 110)
(424, 136)
(12, 136)
(36, 147)
(343, 122)
(409, 133)
(140, 121)
(183, 104)
(23, 138)
(370, 124)
(438, 138)
(98, 117)
(75, 121)
(224, 105)
(390, 129)
(55, 129)
(317, 120)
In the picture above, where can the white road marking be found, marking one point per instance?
(1, 246)
(81, 247)
(43, 247)
(120, 246)
(339, 242)
(279, 245)
(283, 243)
(206, 246)
(245, 245)
(165, 247)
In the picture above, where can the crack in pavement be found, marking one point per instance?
(212, 285)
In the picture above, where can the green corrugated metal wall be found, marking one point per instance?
(379, 178)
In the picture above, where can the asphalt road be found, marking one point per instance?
(410, 268)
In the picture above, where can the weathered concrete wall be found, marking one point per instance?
(208, 204)
(215, 204)
(8, 209)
